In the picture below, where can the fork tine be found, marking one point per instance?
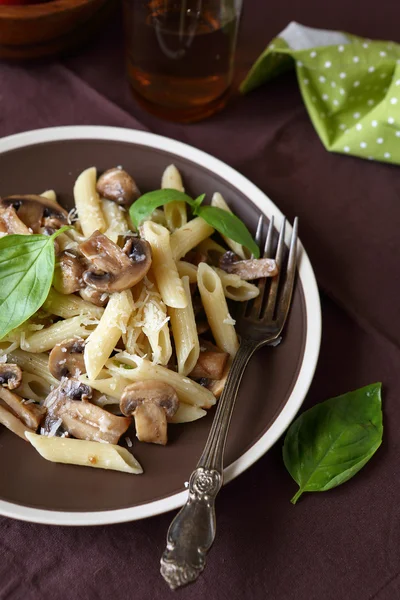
(286, 296)
(273, 292)
(243, 306)
(258, 236)
(258, 302)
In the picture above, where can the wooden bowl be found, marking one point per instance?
(36, 30)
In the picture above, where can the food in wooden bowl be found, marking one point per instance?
(35, 28)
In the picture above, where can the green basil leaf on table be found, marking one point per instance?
(26, 273)
(224, 222)
(144, 206)
(229, 225)
(329, 443)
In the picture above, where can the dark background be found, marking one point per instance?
(339, 544)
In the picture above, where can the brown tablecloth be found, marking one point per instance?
(343, 544)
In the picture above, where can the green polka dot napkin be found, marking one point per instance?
(350, 86)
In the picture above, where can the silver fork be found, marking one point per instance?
(192, 531)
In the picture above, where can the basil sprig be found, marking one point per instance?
(224, 222)
(329, 443)
(26, 273)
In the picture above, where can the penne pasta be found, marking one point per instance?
(236, 288)
(87, 203)
(115, 217)
(69, 305)
(158, 216)
(112, 386)
(9, 420)
(186, 269)
(216, 309)
(50, 195)
(189, 236)
(85, 453)
(219, 202)
(184, 330)
(135, 368)
(163, 266)
(45, 339)
(33, 387)
(37, 364)
(212, 250)
(104, 338)
(175, 212)
(187, 413)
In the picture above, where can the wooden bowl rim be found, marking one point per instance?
(33, 11)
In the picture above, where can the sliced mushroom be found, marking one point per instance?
(150, 403)
(11, 223)
(114, 269)
(66, 359)
(10, 375)
(83, 420)
(211, 362)
(68, 273)
(37, 211)
(30, 414)
(117, 185)
(96, 297)
(254, 268)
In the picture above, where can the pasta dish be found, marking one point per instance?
(121, 318)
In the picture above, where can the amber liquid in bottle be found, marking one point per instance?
(180, 63)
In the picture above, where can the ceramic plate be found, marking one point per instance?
(274, 385)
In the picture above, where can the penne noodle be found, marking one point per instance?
(50, 195)
(187, 413)
(175, 212)
(9, 420)
(37, 364)
(216, 309)
(163, 265)
(186, 269)
(112, 386)
(189, 236)
(104, 338)
(218, 201)
(115, 219)
(236, 288)
(158, 216)
(184, 330)
(45, 339)
(87, 203)
(136, 369)
(69, 305)
(85, 453)
(33, 387)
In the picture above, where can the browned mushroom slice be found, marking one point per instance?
(211, 362)
(10, 375)
(37, 211)
(254, 268)
(83, 420)
(66, 359)
(30, 414)
(150, 403)
(117, 185)
(96, 297)
(11, 223)
(9, 420)
(68, 273)
(115, 270)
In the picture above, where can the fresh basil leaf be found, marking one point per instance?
(144, 206)
(329, 443)
(26, 273)
(197, 202)
(229, 225)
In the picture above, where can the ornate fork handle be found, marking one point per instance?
(192, 531)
